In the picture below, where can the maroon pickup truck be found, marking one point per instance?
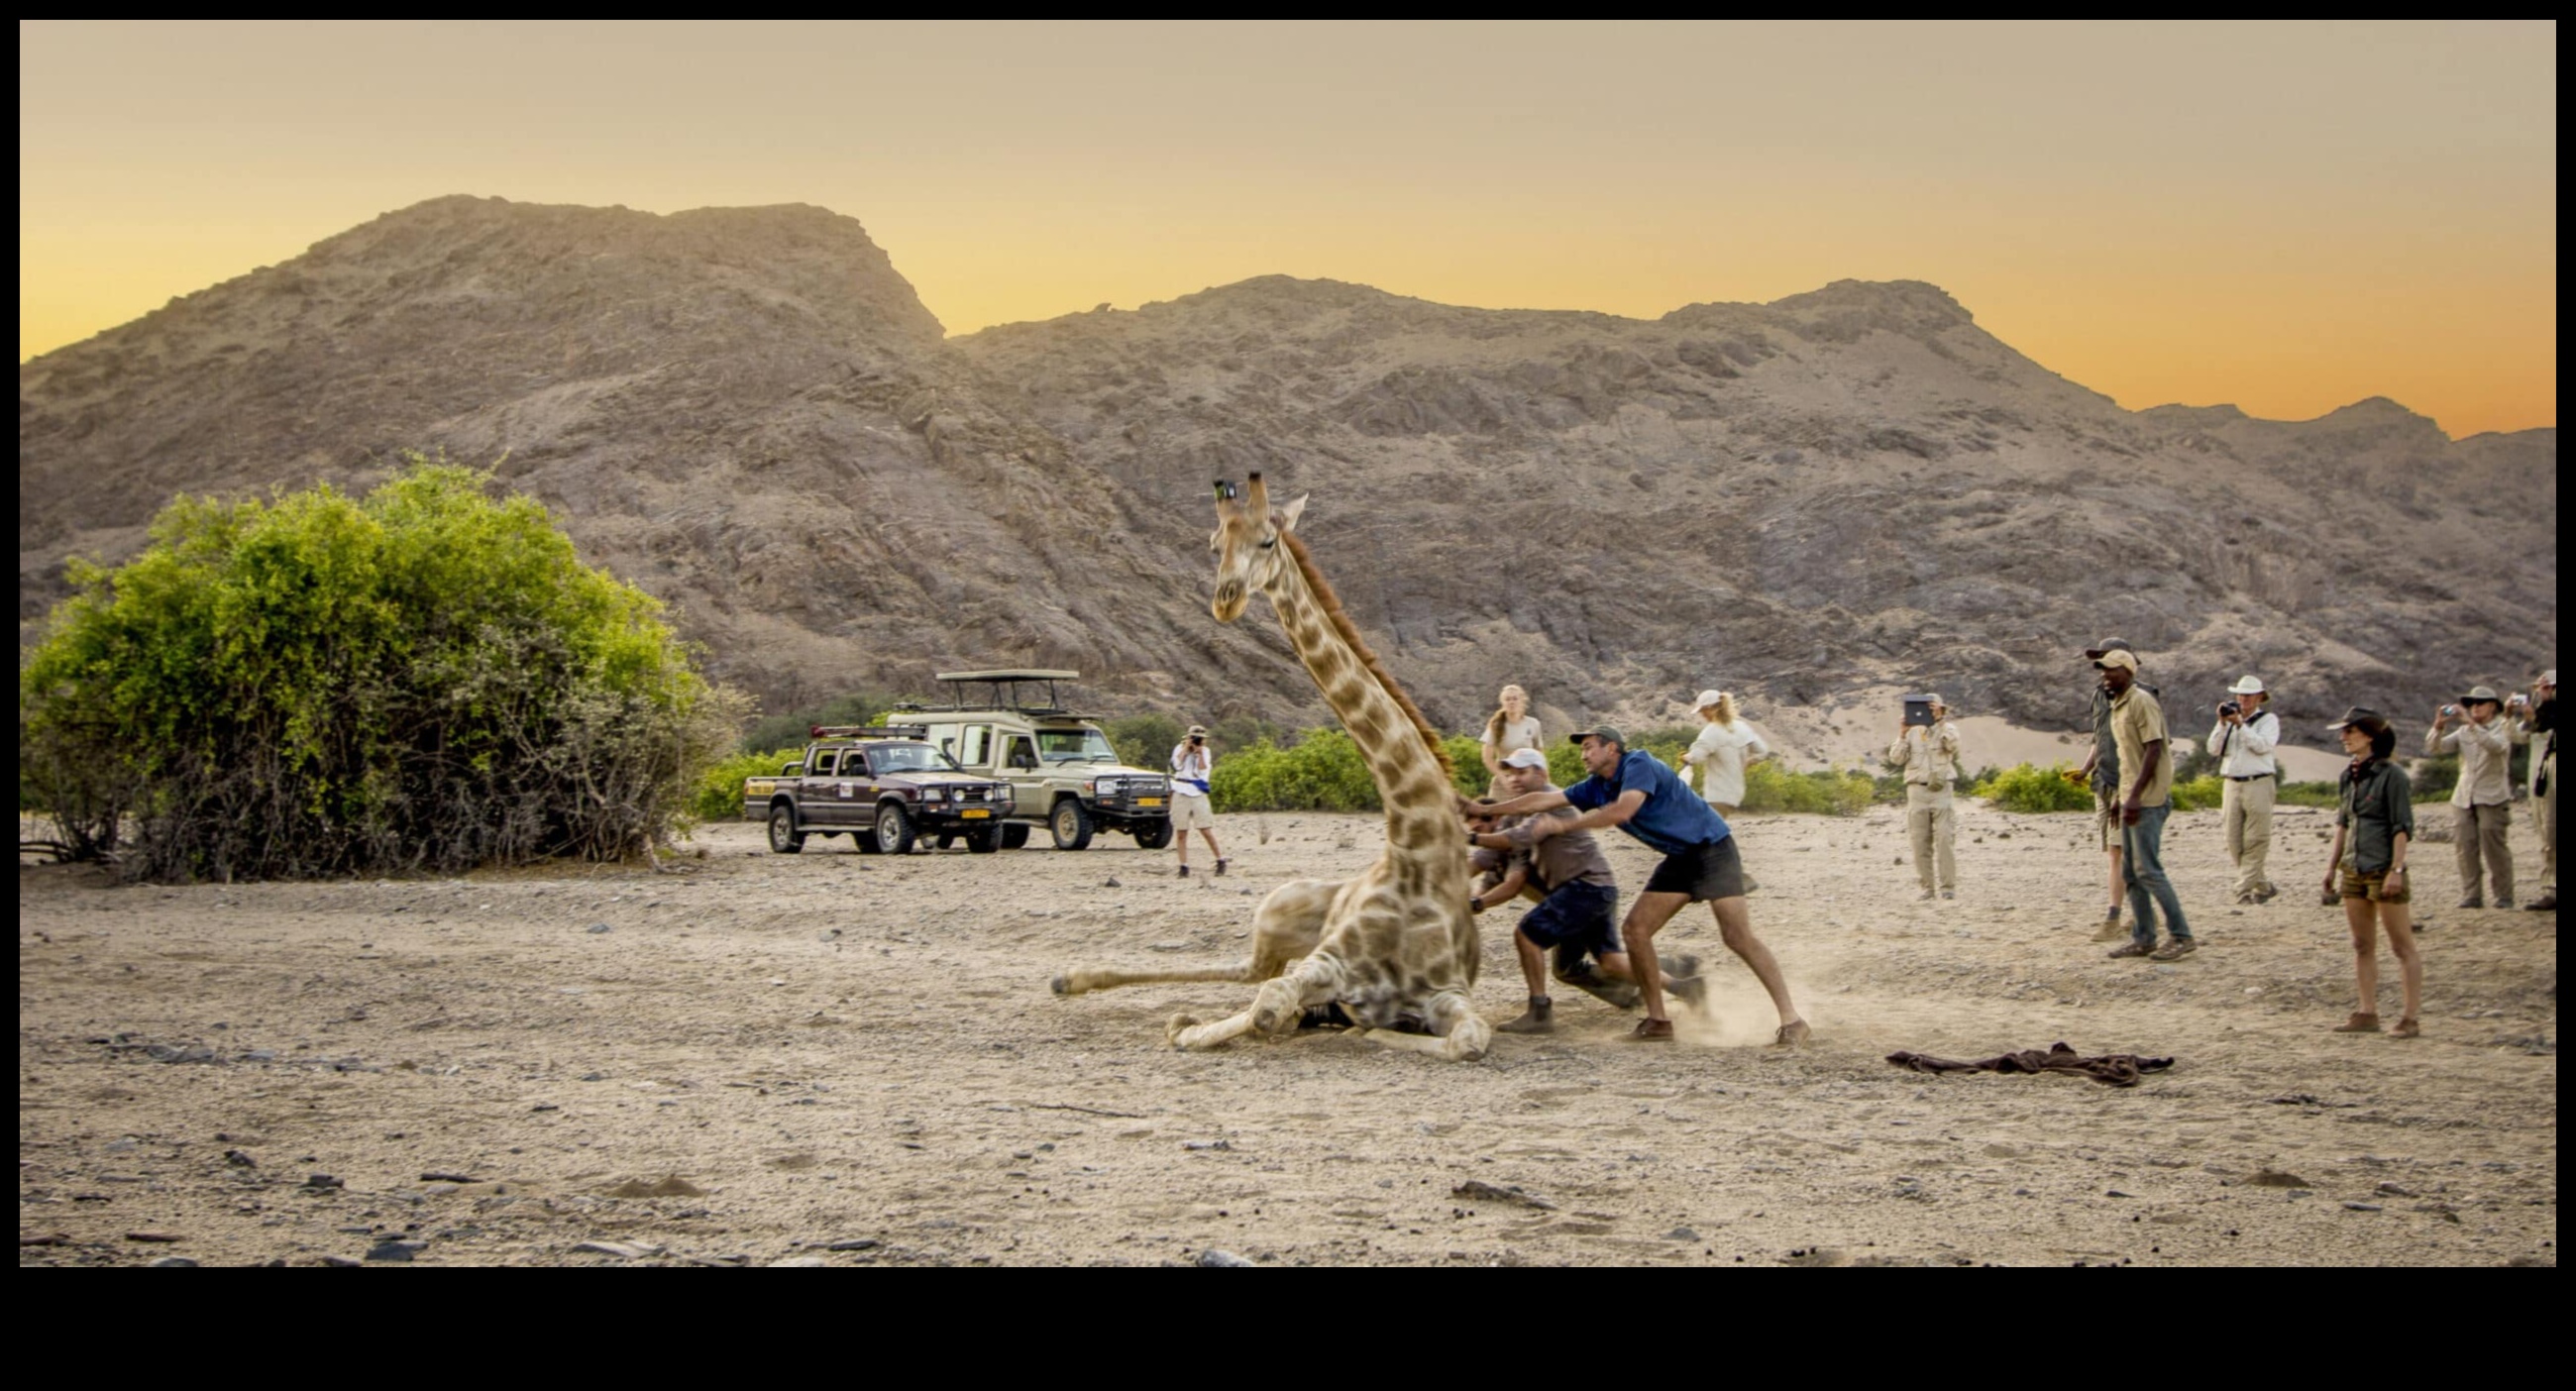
(881, 786)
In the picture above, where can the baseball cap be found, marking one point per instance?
(2108, 645)
(2549, 677)
(1524, 758)
(1707, 698)
(2361, 715)
(1609, 732)
(2247, 685)
(2116, 657)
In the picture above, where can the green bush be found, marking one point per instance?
(2025, 788)
(719, 790)
(423, 679)
(1770, 788)
(1467, 764)
(2202, 793)
(2432, 778)
(2309, 794)
(1324, 772)
(1145, 741)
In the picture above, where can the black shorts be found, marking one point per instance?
(1577, 919)
(1702, 872)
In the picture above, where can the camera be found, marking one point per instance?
(2229, 707)
(2450, 710)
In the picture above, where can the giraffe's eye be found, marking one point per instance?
(1270, 543)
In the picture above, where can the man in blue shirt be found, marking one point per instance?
(1641, 796)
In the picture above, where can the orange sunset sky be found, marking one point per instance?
(2290, 217)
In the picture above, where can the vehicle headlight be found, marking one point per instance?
(1104, 787)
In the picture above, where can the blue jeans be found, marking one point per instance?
(2142, 868)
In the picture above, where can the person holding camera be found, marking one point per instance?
(2374, 823)
(1928, 753)
(2535, 722)
(2242, 743)
(1191, 811)
(2146, 763)
(2482, 800)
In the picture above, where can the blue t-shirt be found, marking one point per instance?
(1674, 818)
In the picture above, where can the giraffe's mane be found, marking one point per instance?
(1331, 603)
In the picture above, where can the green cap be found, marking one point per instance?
(1609, 732)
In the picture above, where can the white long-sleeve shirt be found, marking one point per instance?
(1721, 753)
(2245, 750)
(2486, 757)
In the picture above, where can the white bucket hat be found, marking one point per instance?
(2247, 685)
(1707, 698)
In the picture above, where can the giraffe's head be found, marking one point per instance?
(1246, 544)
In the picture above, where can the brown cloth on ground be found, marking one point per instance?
(2113, 1069)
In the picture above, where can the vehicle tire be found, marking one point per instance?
(1071, 824)
(866, 839)
(784, 838)
(894, 830)
(984, 841)
(1014, 836)
(942, 841)
(1153, 835)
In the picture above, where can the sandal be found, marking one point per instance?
(1652, 1031)
(2359, 1024)
(2408, 1027)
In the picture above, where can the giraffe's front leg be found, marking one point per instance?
(1458, 1033)
(1275, 1007)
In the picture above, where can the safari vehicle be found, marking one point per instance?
(1063, 773)
(883, 787)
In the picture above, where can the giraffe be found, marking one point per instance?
(1288, 924)
(1396, 946)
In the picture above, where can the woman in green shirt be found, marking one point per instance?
(2374, 821)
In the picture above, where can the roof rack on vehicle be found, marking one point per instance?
(870, 731)
(1005, 684)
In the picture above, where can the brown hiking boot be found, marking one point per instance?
(1652, 1031)
(2408, 1027)
(2359, 1024)
(1539, 1018)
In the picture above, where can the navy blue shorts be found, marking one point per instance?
(1576, 919)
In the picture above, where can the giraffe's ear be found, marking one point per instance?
(1288, 515)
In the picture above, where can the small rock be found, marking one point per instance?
(162, 1237)
(829, 934)
(260, 1055)
(2363, 1207)
(1206, 1145)
(623, 1250)
(319, 1182)
(437, 1176)
(1111, 883)
(396, 1250)
(862, 1243)
(2392, 1189)
(172, 1263)
(545, 1106)
(1214, 1258)
(1681, 1234)
(1482, 1191)
(347, 1262)
(240, 1159)
(596, 928)
(799, 1262)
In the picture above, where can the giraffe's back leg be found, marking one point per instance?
(1285, 929)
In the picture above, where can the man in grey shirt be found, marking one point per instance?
(2101, 772)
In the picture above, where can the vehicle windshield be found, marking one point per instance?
(1075, 746)
(911, 758)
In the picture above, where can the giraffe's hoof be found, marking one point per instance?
(1173, 1029)
(1062, 985)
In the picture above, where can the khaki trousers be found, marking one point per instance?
(1934, 825)
(2247, 809)
(2544, 818)
(2478, 833)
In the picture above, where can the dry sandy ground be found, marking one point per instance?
(764, 1056)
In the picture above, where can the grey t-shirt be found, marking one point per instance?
(1563, 858)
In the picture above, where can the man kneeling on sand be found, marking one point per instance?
(1577, 913)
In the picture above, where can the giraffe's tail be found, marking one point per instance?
(1083, 982)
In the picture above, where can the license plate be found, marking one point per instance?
(973, 812)
(1149, 801)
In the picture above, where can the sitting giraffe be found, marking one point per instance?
(1395, 946)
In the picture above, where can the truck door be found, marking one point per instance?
(824, 798)
(1028, 784)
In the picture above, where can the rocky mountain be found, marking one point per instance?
(1816, 501)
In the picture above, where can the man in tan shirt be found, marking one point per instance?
(2482, 800)
(2146, 765)
(2536, 723)
(1929, 757)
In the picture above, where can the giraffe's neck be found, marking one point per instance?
(1410, 783)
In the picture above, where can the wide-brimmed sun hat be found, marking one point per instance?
(2247, 685)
